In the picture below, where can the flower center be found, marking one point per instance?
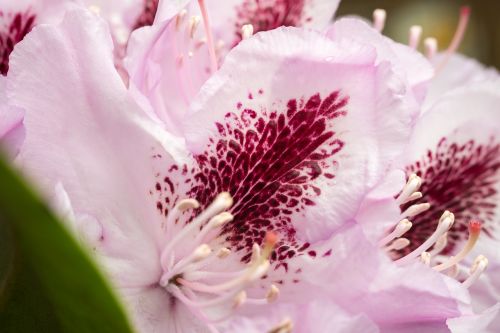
(266, 15)
(430, 251)
(148, 14)
(13, 28)
(195, 262)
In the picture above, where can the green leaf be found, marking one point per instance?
(47, 280)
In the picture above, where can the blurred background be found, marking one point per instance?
(438, 19)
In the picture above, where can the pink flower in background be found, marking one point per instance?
(247, 205)
(169, 61)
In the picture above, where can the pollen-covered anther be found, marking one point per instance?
(285, 326)
(474, 232)
(444, 224)
(247, 31)
(478, 267)
(379, 16)
(414, 36)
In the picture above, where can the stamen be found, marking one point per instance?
(457, 38)
(214, 223)
(412, 185)
(478, 267)
(247, 31)
(210, 37)
(398, 244)
(223, 253)
(222, 201)
(194, 21)
(444, 224)
(416, 209)
(431, 46)
(440, 244)
(285, 326)
(272, 294)
(401, 228)
(180, 18)
(474, 231)
(425, 258)
(179, 208)
(240, 298)
(379, 16)
(414, 36)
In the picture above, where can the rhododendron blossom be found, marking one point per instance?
(250, 167)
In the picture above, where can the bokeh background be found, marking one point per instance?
(438, 19)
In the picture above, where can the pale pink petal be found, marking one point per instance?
(362, 279)
(298, 70)
(459, 72)
(11, 123)
(155, 311)
(85, 132)
(407, 62)
(17, 18)
(321, 315)
(486, 322)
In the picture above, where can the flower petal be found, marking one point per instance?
(84, 131)
(318, 125)
(456, 150)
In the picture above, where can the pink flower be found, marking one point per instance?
(256, 199)
(452, 162)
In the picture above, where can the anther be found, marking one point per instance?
(201, 252)
(431, 46)
(180, 18)
(194, 21)
(240, 298)
(379, 16)
(223, 253)
(401, 228)
(285, 326)
(416, 209)
(444, 224)
(272, 294)
(425, 258)
(247, 31)
(414, 36)
(398, 244)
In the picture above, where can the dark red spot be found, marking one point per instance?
(147, 16)
(266, 15)
(12, 31)
(461, 178)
